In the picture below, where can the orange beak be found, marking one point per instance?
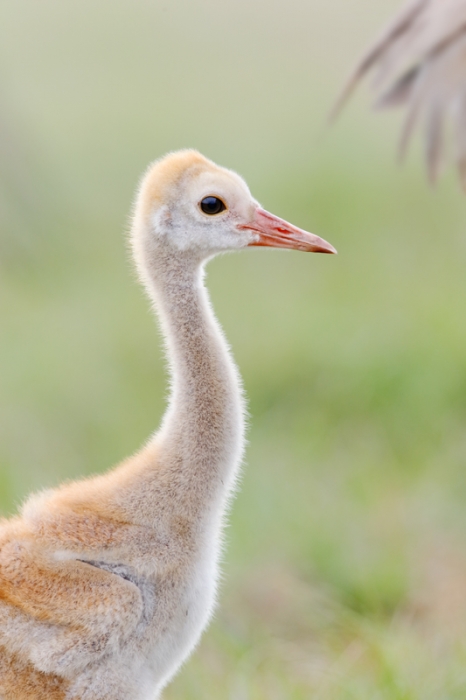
(277, 233)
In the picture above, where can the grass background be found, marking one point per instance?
(345, 565)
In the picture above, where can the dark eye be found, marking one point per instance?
(212, 205)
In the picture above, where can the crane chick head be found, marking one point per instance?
(188, 205)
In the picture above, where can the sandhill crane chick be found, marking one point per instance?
(107, 583)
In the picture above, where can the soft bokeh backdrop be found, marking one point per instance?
(345, 565)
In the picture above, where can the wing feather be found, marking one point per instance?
(419, 63)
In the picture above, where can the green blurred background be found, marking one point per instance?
(345, 565)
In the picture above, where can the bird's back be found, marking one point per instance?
(74, 622)
(19, 680)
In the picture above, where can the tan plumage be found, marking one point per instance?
(419, 63)
(106, 584)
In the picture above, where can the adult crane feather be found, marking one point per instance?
(419, 63)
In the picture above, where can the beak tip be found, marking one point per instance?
(326, 248)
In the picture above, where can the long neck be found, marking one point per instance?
(202, 434)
